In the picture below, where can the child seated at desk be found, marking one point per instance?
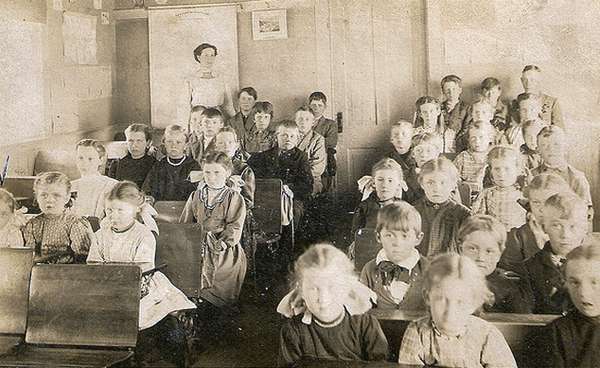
(202, 140)
(482, 238)
(287, 162)
(529, 149)
(552, 144)
(11, 234)
(450, 336)
(138, 162)
(92, 187)
(383, 187)
(169, 178)
(260, 137)
(326, 310)
(526, 240)
(491, 90)
(123, 239)
(226, 141)
(401, 134)
(56, 234)
(503, 199)
(429, 119)
(396, 274)
(471, 163)
(313, 144)
(441, 216)
(565, 221)
(425, 147)
(574, 339)
(221, 212)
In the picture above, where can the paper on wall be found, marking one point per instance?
(97, 4)
(57, 5)
(79, 38)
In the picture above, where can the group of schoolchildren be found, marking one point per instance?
(501, 228)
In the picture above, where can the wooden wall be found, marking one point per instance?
(77, 99)
(284, 72)
(497, 38)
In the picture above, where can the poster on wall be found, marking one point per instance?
(175, 74)
(79, 38)
(269, 24)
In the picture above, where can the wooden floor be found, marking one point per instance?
(253, 340)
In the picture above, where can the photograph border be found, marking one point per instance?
(280, 14)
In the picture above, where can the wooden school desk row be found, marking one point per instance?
(66, 315)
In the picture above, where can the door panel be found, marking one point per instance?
(377, 59)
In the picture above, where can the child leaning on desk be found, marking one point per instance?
(122, 238)
(450, 336)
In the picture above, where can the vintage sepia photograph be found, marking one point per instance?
(269, 24)
(300, 183)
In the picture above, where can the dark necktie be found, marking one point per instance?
(390, 271)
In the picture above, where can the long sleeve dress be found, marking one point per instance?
(137, 245)
(66, 235)
(224, 261)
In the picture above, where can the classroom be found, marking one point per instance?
(306, 183)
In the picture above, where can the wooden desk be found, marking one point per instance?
(180, 247)
(169, 211)
(519, 330)
(318, 363)
(267, 205)
(15, 273)
(79, 315)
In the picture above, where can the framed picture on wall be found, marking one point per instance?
(269, 24)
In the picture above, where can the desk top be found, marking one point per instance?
(317, 363)
(495, 318)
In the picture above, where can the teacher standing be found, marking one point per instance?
(204, 87)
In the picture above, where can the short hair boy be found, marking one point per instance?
(397, 271)
(531, 79)
(529, 149)
(212, 122)
(260, 137)
(137, 163)
(313, 144)
(529, 107)
(243, 120)
(317, 102)
(526, 240)
(425, 147)
(491, 90)
(401, 134)
(388, 182)
(453, 108)
(572, 340)
(287, 162)
(565, 221)
(552, 147)
(482, 238)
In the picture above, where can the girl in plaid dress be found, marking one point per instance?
(450, 336)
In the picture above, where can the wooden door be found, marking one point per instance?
(378, 71)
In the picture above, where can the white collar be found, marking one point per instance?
(408, 263)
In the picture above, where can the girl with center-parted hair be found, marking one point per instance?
(326, 310)
(450, 335)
